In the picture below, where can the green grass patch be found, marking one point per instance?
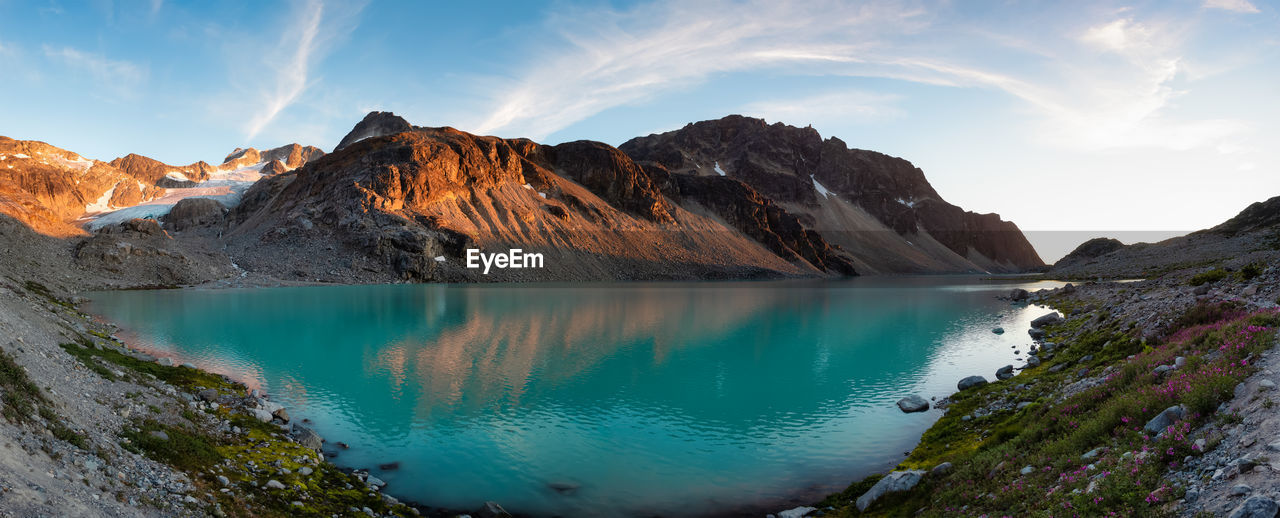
(21, 396)
(182, 449)
(87, 359)
(43, 291)
(179, 376)
(1213, 275)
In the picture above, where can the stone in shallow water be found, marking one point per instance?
(913, 403)
(1005, 372)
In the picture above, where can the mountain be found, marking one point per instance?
(1251, 237)
(56, 191)
(879, 209)
(733, 198)
(411, 203)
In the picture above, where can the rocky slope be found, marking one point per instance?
(1249, 237)
(878, 208)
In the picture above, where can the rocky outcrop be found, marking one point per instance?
(612, 175)
(1263, 215)
(375, 124)
(1090, 250)
(755, 215)
(154, 172)
(195, 212)
(853, 197)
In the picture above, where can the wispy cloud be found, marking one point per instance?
(122, 78)
(843, 106)
(306, 42)
(612, 58)
(1239, 6)
(291, 73)
(1108, 84)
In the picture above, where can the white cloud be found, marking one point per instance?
(831, 107)
(1239, 6)
(123, 78)
(312, 29)
(1122, 36)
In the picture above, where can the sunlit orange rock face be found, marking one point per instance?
(50, 188)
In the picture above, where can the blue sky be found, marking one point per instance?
(1061, 116)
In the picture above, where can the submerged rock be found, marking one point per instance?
(892, 483)
(913, 403)
(998, 330)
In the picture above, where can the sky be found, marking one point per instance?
(1072, 119)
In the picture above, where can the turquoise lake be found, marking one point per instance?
(634, 399)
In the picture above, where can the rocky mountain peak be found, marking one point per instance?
(375, 124)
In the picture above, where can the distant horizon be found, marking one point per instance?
(1088, 115)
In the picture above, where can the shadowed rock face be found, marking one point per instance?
(755, 215)
(375, 124)
(793, 166)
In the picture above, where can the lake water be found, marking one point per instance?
(644, 398)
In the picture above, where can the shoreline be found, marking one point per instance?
(1149, 314)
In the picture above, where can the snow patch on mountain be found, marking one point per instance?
(820, 188)
(104, 202)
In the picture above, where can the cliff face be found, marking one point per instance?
(879, 208)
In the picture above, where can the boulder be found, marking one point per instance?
(493, 510)
(1005, 372)
(1165, 419)
(971, 381)
(196, 212)
(1036, 333)
(998, 330)
(208, 395)
(260, 414)
(1256, 507)
(1045, 320)
(1018, 295)
(894, 482)
(274, 484)
(941, 469)
(798, 512)
(1033, 361)
(165, 362)
(309, 438)
(281, 414)
(1202, 289)
(913, 403)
